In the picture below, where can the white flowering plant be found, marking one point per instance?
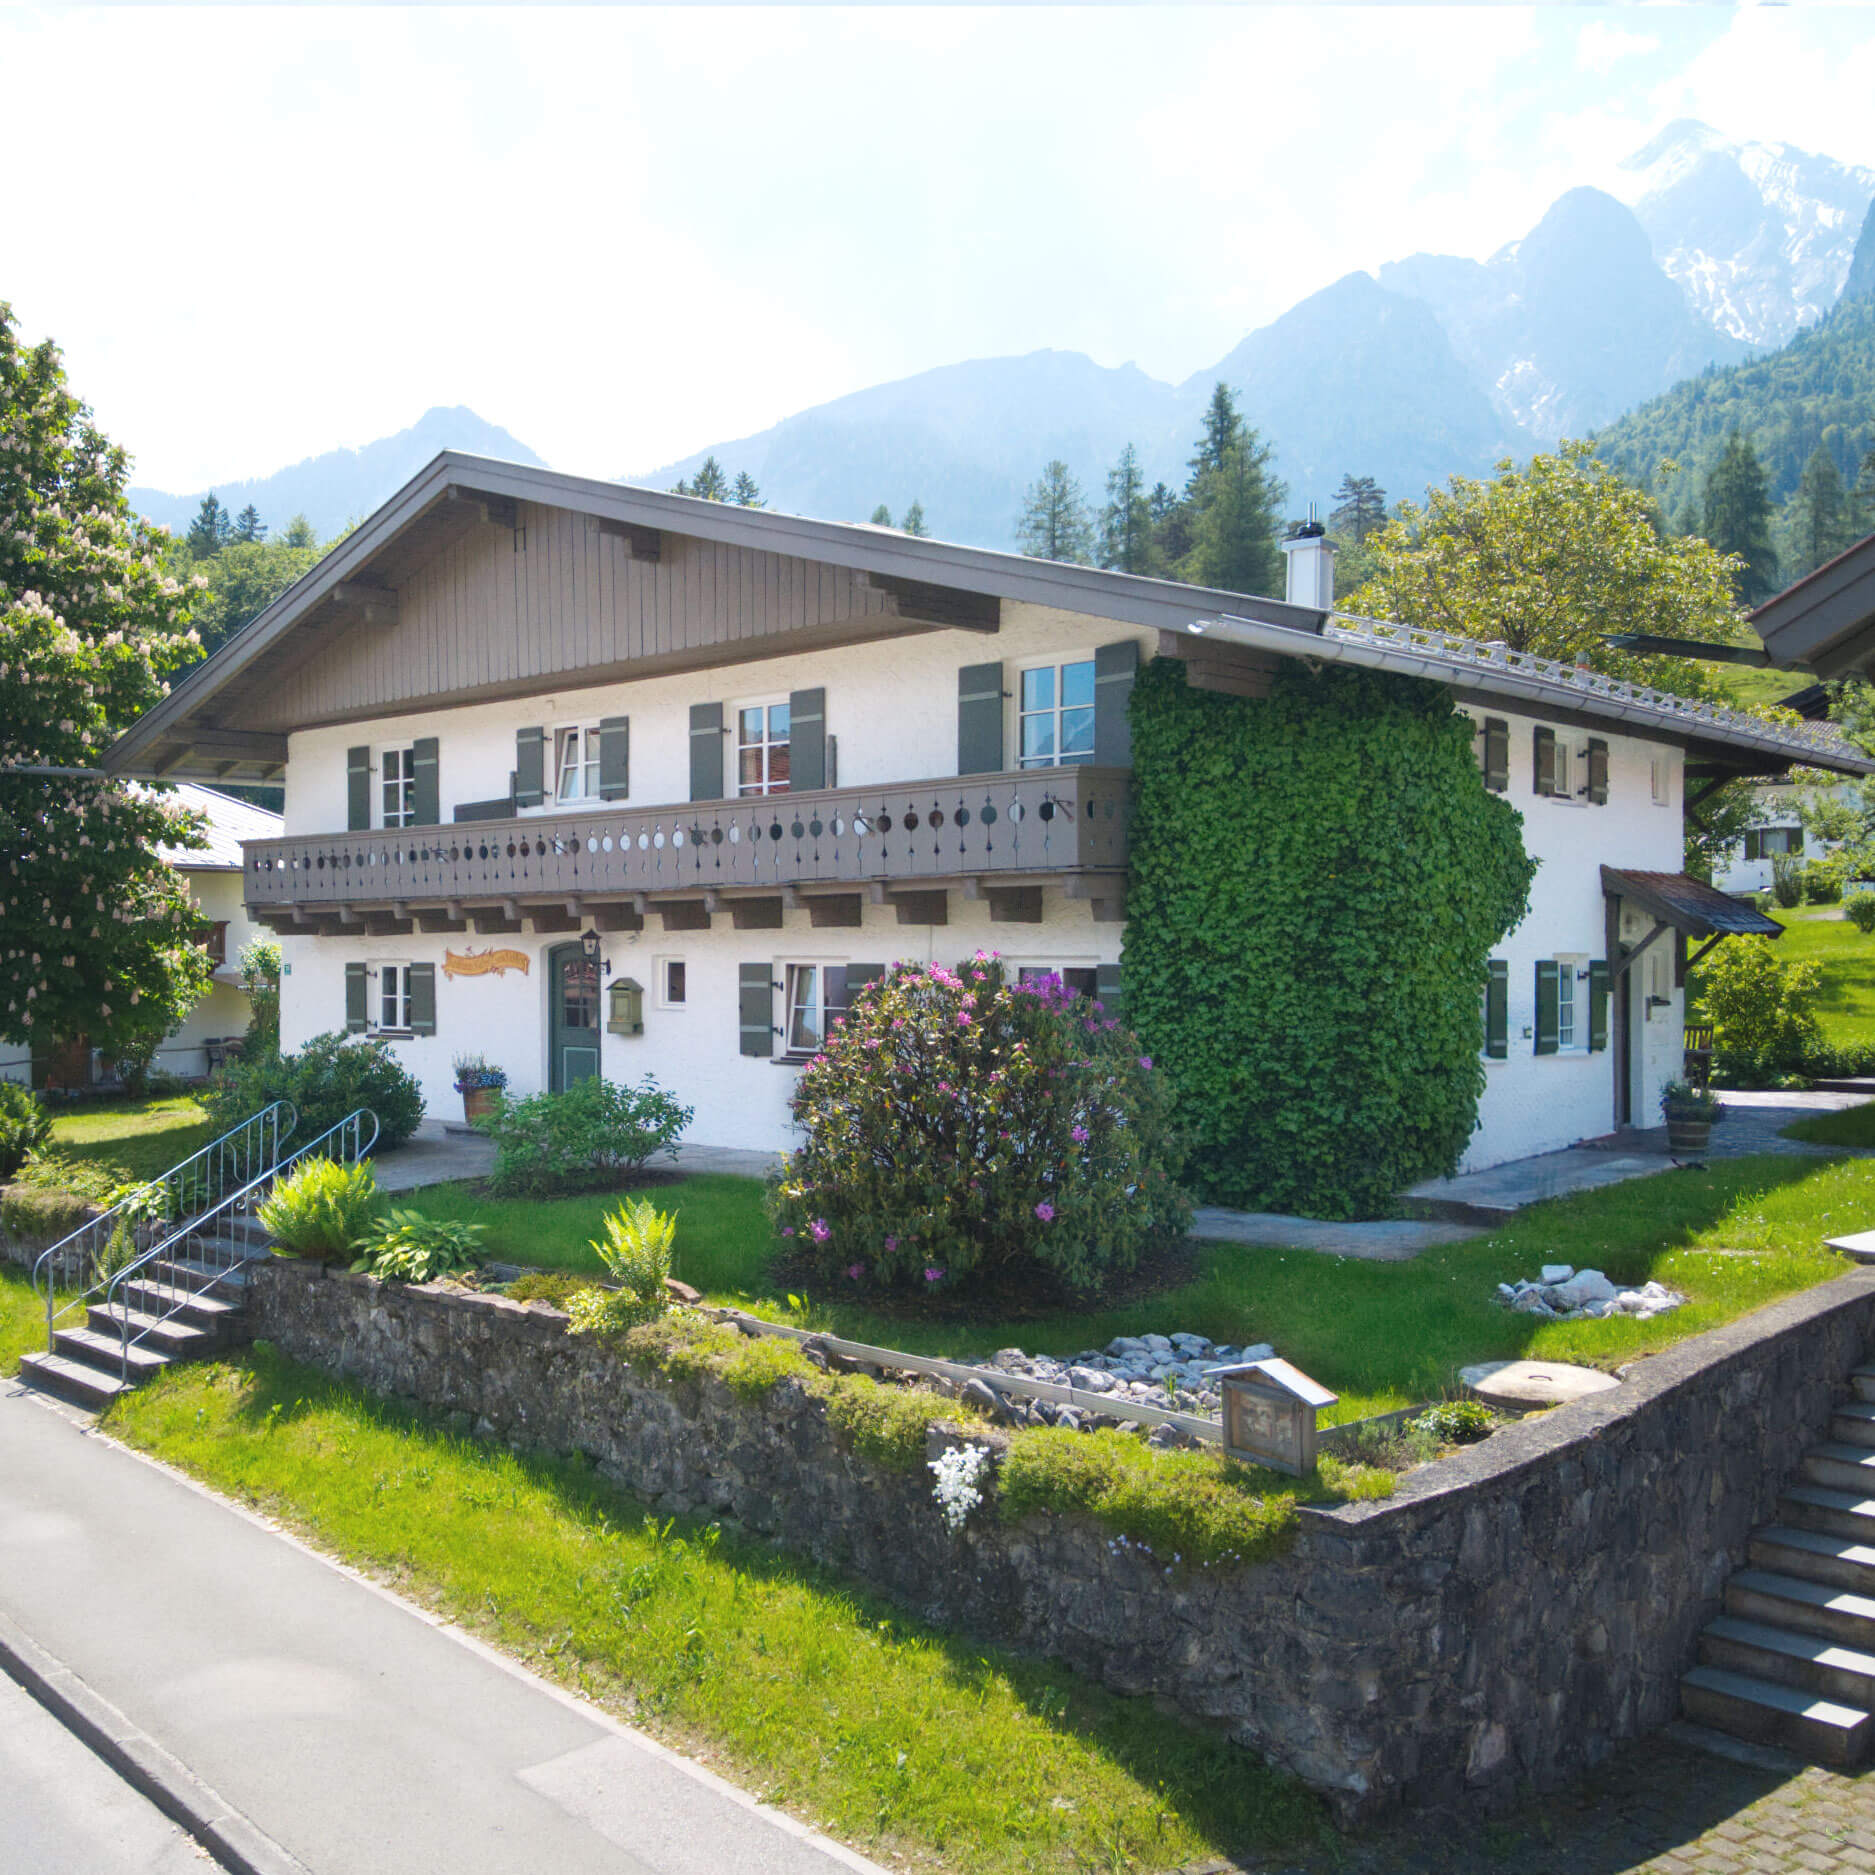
(958, 1490)
(98, 936)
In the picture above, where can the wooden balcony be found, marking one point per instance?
(997, 837)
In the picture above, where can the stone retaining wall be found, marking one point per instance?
(1498, 1626)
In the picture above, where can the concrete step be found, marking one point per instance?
(1816, 1556)
(204, 1311)
(1802, 1660)
(105, 1352)
(70, 1380)
(1817, 1507)
(1862, 1379)
(1773, 1714)
(180, 1340)
(1853, 1423)
(1784, 1601)
(1841, 1467)
(191, 1271)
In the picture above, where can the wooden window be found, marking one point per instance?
(530, 767)
(762, 748)
(357, 789)
(615, 758)
(673, 984)
(214, 941)
(1598, 772)
(576, 762)
(756, 1008)
(1546, 995)
(1115, 667)
(1600, 984)
(357, 998)
(807, 741)
(1055, 715)
(805, 1027)
(1565, 1004)
(706, 751)
(397, 787)
(393, 998)
(1496, 754)
(421, 987)
(1083, 980)
(1543, 761)
(980, 719)
(1754, 848)
(1497, 1011)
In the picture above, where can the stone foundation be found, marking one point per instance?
(1505, 1621)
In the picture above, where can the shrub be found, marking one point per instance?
(320, 1208)
(1786, 879)
(1859, 909)
(888, 1424)
(959, 1125)
(591, 1136)
(260, 978)
(332, 1076)
(1680, 1100)
(407, 1247)
(37, 1214)
(1457, 1422)
(637, 1252)
(1822, 881)
(556, 1287)
(25, 1126)
(1762, 1010)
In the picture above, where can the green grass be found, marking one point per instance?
(117, 1141)
(823, 1700)
(1382, 1335)
(1847, 1126)
(22, 1318)
(1820, 934)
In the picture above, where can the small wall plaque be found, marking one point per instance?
(1269, 1414)
(483, 963)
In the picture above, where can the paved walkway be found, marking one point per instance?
(440, 1153)
(361, 1736)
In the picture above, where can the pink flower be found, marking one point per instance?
(787, 1230)
(891, 1243)
(1046, 1212)
(855, 1271)
(1145, 1061)
(963, 1021)
(933, 1275)
(820, 1230)
(1079, 1136)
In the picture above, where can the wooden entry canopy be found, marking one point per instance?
(1677, 902)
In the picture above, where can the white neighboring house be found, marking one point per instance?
(1777, 828)
(590, 779)
(213, 873)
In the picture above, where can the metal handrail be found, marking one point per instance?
(353, 1143)
(237, 1154)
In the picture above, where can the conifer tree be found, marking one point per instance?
(1819, 513)
(1238, 507)
(1862, 499)
(1738, 517)
(1361, 507)
(913, 522)
(248, 526)
(1055, 523)
(211, 529)
(882, 516)
(745, 494)
(1126, 520)
(1223, 431)
(709, 483)
(299, 533)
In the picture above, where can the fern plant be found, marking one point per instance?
(636, 1250)
(321, 1209)
(407, 1247)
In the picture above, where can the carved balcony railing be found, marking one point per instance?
(1038, 823)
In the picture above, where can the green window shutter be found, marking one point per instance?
(807, 740)
(429, 800)
(357, 790)
(1599, 983)
(1598, 772)
(1496, 754)
(1543, 748)
(706, 757)
(357, 998)
(615, 750)
(1108, 992)
(1796, 840)
(530, 767)
(980, 719)
(1497, 1011)
(1115, 667)
(1546, 1011)
(1752, 847)
(756, 999)
(423, 999)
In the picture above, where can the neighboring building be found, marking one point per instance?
(213, 872)
(590, 779)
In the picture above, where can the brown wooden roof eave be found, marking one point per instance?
(1689, 904)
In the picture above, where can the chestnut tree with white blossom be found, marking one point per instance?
(98, 936)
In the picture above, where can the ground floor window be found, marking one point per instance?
(673, 986)
(807, 1010)
(393, 996)
(1565, 1004)
(1772, 842)
(1082, 979)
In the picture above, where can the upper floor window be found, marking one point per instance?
(576, 762)
(1056, 714)
(762, 748)
(397, 787)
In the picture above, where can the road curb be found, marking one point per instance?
(235, 1842)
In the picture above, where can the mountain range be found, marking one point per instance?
(1432, 366)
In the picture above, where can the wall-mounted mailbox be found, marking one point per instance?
(627, 1015)
(1269, 1414)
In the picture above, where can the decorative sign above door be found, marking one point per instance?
(483, 963)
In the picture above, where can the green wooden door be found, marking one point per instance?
(572, 1017)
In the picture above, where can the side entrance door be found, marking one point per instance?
(572, 1017)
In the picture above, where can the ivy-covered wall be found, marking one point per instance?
(1319, 877)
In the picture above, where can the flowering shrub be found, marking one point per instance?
(957, 1491)
(959, 1124)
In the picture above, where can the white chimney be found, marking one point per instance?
(1311, 560)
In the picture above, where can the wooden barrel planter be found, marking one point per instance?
(1686, 1136)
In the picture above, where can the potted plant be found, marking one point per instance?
(479, 1082)
(1690, 1112)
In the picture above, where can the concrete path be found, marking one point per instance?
(67, 1814)
(1385, 1240)
(363, 1737)
(442, 1151)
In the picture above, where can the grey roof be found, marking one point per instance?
(1826, 621)
(229, 823)
(1689, 904)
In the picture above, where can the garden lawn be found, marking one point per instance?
(1847, 1126)
(1382, 1335)
(123, 1140)
(22, 1318)
(1820, 934)
(819, 1698)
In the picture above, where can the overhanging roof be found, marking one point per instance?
(229, 823)
(1826, 621)
(1689, 904)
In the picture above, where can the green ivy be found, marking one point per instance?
(1319, 877)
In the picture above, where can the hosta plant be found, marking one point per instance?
(636, 1250)
(407, 1247)
(959, 1125)
(320, 1208)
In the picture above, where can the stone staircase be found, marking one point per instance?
(1791, 1661)
(176, 1309)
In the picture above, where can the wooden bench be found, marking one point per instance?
(1698, 1067)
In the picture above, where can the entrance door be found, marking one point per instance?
(572, 1017)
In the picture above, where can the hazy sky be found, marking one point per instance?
(259, 233)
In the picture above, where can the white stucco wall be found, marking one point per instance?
(224, 1011)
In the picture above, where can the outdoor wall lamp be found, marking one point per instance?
(589, 949)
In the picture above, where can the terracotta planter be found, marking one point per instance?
(1688, 1135)
(477, 1101)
